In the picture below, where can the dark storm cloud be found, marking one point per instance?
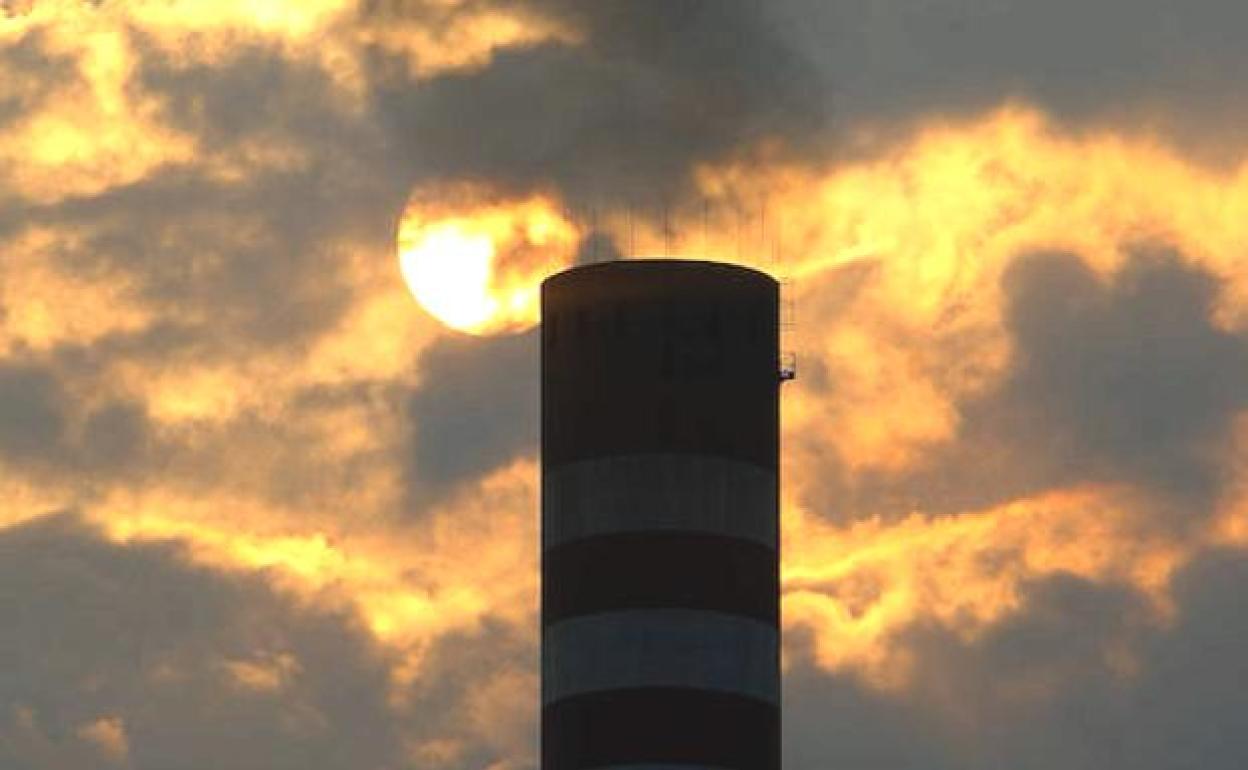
(475, 411)
(24, 95)
(1079, 676)
(46, 433)
(1121, 380)
(40, 427)
(835, 721)
(31, 416)
(135, 633)
(1088, 705)
(1033, 691)
(1037, 690)
(1130, 380)
(115, 433)
(451, 700)
(257, 90)
(1181, 66)
(660, 85)
(656, 87)
(1187, 711)
(246, 263)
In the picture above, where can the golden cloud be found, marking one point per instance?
(101, 128)
(856, 587)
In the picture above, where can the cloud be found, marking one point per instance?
(1124, 378)
(30, 418)
(206, 347)
(476, 410)
(651, 90)
(1184, 710)
(477, 704)
(1080, 675)
(44, 428)
(1120, 61)
(1129, 380)
(29, 64)
(129, 651)
(832, 720)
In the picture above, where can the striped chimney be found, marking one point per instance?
(660, 560)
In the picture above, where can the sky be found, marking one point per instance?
(268, 374)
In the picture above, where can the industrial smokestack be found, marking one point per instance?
(660, 526)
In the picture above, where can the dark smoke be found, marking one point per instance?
(656, 87)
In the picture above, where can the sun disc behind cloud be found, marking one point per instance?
(476, 262)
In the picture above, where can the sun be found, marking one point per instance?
(476, 262)
(448, 272)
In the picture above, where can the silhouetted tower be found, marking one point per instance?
(660, 526)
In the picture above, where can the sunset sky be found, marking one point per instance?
(268, 375)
